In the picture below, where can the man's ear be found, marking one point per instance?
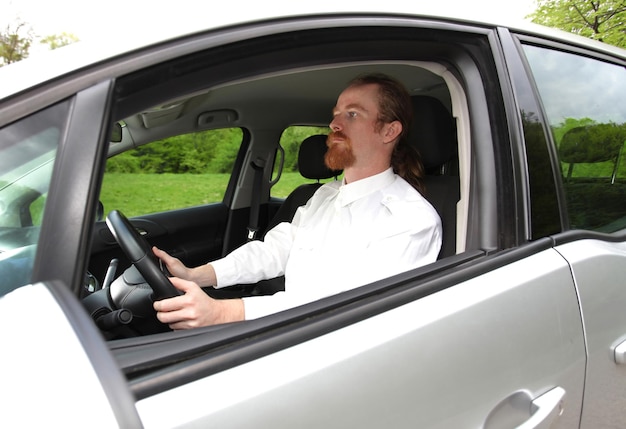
(392, 131)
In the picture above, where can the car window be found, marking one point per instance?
(585, 103)
(147, 179)
(289, 178)
(27, 153)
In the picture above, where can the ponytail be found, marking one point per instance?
(407, 163)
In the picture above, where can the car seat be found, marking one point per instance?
(311, 166)
(433, 134)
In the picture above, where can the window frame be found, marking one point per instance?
(319, 317)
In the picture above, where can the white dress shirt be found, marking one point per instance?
(346, 236)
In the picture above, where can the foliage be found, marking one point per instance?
(197, 153)
(594, 198)
(592, 143)
(55, 41)
(603, 20)
(150, 178)
(589, 152)
(212, 151)
(15, 41)
(568, 124)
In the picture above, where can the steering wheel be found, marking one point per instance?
(138, 250)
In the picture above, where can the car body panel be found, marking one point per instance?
(417, 354)
(599, 269)
(60, 355)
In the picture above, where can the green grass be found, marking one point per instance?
(136, 194)
(597, 169)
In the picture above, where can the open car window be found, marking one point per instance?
(270, 106)
(264, 103)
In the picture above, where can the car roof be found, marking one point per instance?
(47, 66)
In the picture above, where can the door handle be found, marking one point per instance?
(545, 409)
(620, 353)
(519, 410)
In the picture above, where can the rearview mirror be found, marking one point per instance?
(116, 132)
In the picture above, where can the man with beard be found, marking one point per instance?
(372, 225)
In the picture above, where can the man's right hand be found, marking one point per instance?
(195, 308)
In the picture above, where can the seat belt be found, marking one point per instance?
(258, 165)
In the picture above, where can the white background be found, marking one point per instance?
(86, 19)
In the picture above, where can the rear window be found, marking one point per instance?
(585, 103)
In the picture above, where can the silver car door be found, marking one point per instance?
(500, 349)
(55, 367)
(599, 269)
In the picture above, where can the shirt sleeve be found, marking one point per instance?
(256, 260)
(259, 306)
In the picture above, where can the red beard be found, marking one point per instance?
(339, 154)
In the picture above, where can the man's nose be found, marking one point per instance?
(334, 124)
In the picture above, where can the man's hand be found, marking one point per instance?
(174, 265)
(195, 308)
(203, 275)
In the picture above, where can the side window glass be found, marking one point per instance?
(27, 154)
(585, 103)
(150, 178)
(289, 178)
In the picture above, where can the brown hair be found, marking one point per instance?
(394, 104)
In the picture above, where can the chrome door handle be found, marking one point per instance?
(545, 409)
(620, 353)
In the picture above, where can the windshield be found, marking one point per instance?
(27, 153)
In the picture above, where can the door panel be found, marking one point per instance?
(55, 367)
(447, 360)
(599, 271)
(195, 235)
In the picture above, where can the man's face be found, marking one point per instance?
(354, 134)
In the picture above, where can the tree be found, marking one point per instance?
(55, 41)
(15, 42)
(603, 20)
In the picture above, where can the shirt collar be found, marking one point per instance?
(350, 192)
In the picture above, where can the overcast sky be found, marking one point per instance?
(86, 19)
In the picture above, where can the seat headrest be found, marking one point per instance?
(432, 132)
(311, 158)
(592, 143)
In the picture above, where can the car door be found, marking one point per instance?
(497, 344)
(492, 337)
(55, 369)
(587, 116)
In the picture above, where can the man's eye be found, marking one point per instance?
(352, 114)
